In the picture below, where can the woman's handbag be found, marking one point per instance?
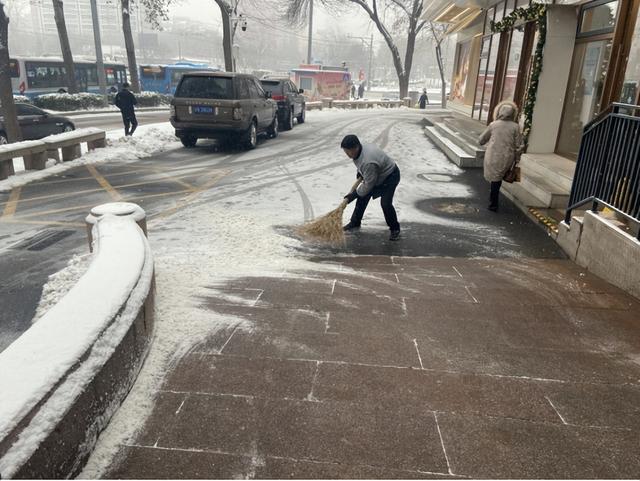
(513, 174)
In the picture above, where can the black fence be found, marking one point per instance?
(608, 166)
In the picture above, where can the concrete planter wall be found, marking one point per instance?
(58, 393)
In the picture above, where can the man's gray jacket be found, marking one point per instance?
(374, 166)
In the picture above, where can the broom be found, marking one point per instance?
(328, 228)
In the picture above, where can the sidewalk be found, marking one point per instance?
(460, 367)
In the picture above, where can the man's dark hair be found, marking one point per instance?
(350, 142)
(125, 85)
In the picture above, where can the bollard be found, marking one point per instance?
(125, 209)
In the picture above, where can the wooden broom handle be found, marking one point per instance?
(344, 203)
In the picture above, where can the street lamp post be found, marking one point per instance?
(368, 42)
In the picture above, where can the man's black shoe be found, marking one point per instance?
(350, 226)
(493, 208)
(395, 235)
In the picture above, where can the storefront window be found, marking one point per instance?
(599, 18)
(513, 63)
(482, 75)
(461, 73)
(490, 78)
(584, 93)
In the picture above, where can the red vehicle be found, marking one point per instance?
(320, 81)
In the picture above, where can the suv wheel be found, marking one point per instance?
(302, 115)
(189, 140)
(251, 136)
(272, 131)
(288, 121)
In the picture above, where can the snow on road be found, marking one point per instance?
(232, 230)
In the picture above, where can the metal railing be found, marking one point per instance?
(608, 166)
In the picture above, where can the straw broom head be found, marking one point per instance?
(327, 228)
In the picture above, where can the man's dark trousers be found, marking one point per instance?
(130, 122)
(386, 192)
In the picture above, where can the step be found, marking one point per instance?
(472, 148)
(457, 155)
(541, 188)
(556, 169)
(521, 196)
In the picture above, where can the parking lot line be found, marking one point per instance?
(12, 204)
(115, 195)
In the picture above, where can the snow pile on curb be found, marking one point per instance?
(33, 368)
(148, 140)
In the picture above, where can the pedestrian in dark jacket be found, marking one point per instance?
(361, 90)
(380, 176)
(424, 100)
(126, 101)
(353, 91)
(504, 145)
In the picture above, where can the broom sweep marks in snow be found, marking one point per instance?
(328, 228)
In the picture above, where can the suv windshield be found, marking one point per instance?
(272, 86)
(205, 87)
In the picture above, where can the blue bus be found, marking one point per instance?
(33, 76)
(165, 78)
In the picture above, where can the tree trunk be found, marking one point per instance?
(70, 71)
(225, 11)
(403, 81)
(130, 46)
(441, 69)
(12, 128)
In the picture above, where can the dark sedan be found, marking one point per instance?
(35, 123)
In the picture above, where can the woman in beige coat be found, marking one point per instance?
(504, 146)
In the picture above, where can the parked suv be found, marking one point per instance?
(35, 123)
(289, 97)
(222, 105)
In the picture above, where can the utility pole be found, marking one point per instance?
(309, 56)
(102, 79)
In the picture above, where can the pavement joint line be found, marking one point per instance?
(12, 204)
(86, 206)
(177, 180)
(556, 410)
(258, 297)
(403, 306)
(427, 369)
(310, 397)
(444, 450)
(104, 183)
(286, 458)
(181, 404)
(227, 342)
(203, 393)
(397, 278)
(457, 271)
(475, 301)
(415, 343)
(327, 326)
(333, 286)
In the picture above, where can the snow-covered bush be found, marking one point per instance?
(23, 99)
(66, 102)
(152, 99)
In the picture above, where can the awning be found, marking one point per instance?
(458, 13)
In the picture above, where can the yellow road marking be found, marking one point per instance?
(42, 222)
(177, 179)
(88, 206)
(187, 199)
(88, 177)
(12, 203)
(115, 195)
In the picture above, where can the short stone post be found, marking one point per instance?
(71, 152)
(123, 209)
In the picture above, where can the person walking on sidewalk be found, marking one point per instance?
(424, 100)
(380, 176)
(504, 145)
(126, 102)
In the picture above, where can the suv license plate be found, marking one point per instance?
(203, 109)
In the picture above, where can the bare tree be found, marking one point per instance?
(228, 9)
(129, 45)
(11, 125)
(70, 71)
(388, 16)
(438, 33)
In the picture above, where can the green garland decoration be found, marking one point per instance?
(536, 12)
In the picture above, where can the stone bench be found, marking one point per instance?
(69, 143)
(32, 151)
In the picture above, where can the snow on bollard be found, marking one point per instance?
(120, 209)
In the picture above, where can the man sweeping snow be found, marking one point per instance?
(380, 177)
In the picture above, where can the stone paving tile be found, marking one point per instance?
(307, 284)
(397, 388)
(353, 434)
(348, 433)
(388, 351)
(243, 376)
(604, 405)
(482, 447)
(154, 463)
(304, 320)
(576, 366)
